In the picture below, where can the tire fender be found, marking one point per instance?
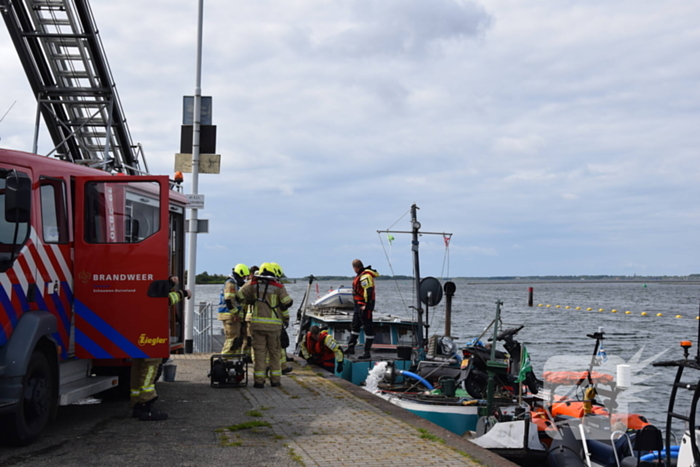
(32, 326)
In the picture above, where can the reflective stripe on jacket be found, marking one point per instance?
(325, 348)
(269, 302)
(363, 287)
(228, 293)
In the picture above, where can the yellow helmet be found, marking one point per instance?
(267, 269)
(278, 269)
(241, 269)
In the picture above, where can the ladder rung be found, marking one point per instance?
(54, 22)
(56, 37)
(679, 416)
(683, 385)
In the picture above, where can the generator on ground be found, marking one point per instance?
(229, 370)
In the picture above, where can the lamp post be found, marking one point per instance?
(193, 227)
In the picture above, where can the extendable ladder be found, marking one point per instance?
(63, 57)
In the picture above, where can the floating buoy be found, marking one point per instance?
(644, 313)
(613, 311)
(589, 309)
(628, 312)
(659, 314)
(679, 316)
(697, 317)
(540, 305)
(549, 306)
(567, 307)
(578, 307)
(558, 306)
(601, 310)
(645, 285)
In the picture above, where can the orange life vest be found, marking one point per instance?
(358, 293)
(317, 348)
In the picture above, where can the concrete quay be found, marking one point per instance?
(313, 419)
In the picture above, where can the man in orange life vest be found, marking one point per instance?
(320, 348)
(364, 295)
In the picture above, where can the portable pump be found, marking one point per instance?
(228, 371)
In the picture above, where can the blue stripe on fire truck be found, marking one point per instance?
(90, 346)
(21, 296)
(107, 331)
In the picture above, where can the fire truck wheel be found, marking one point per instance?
(34, 409)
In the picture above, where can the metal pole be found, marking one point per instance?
(35, 145)
(192, 228)
(416, 272)
(491, 385)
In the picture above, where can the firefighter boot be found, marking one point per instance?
(368, 346)
(148, 413)
(351, 345)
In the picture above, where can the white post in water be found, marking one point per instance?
(192, 227)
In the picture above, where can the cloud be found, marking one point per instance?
(567, 129)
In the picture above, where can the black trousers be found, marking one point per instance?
(362, 319)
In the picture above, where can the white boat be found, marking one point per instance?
(338, 298)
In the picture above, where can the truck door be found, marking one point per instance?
(121, 246)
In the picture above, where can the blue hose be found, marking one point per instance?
(654, 455)
(419, 378)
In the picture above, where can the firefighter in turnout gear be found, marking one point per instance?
(268, 313)
(230, 312)
(284, 337)
(144, 371)
(363, 293)
(320, 348)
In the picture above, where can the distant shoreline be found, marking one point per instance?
(693, 279)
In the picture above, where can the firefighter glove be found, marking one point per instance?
(339, 367)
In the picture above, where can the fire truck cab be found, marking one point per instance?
(84, 261)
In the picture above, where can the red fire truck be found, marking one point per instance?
(84, 262)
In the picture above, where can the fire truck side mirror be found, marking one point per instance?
(18, 190)
(159, 289)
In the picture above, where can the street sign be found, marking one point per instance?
(188, 110)
(208, 163)
(195, 201)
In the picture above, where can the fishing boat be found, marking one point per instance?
(430, 376)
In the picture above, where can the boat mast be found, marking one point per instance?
(415, 231)
(415, 225)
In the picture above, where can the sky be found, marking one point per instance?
(551, 137)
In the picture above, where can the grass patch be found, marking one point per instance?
(295, 457)
(424, 434)
(254, 413)
(294, 397)
(248, 425)
(278, 437)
